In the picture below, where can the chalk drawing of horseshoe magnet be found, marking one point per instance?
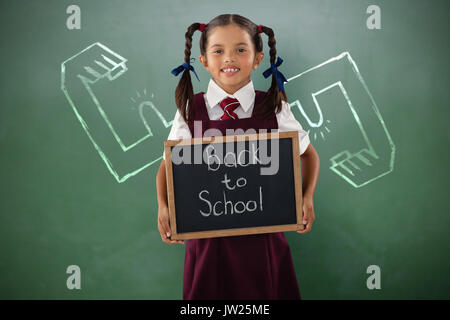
(335, 106)
(124, 128)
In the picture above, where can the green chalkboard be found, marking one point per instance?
(87, 104)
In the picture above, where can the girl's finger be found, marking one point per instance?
(165, 227)
(175, 241)
(305, 219)
(306, 216)
(167, 240)
(307, 229)
(170, 241)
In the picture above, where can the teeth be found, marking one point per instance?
(230, 70)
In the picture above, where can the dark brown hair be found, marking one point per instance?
(272, 102)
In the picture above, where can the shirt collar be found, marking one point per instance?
(245, 95)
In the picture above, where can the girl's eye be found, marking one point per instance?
(240, 50)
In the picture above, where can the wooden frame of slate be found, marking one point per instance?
(276, 199)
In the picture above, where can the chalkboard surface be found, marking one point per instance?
(238, 186)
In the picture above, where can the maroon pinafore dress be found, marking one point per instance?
(250, 267)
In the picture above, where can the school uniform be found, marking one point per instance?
(238, 267)
(246, 96)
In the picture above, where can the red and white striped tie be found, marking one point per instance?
(228, 106)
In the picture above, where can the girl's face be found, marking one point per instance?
(230, 47)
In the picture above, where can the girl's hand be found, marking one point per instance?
(308, 213)
(163, 226)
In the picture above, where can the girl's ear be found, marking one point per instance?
(203, 61)
(258, 59)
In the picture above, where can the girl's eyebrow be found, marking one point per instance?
(221, 45)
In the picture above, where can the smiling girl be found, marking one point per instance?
(251, 266)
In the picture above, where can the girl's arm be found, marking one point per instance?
(163, 208)
(310, 170)
(310, 174)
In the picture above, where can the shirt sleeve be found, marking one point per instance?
(179, 130)
(287, 122)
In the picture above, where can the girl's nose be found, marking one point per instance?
(229, 57)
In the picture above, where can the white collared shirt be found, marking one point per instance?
(246, 98)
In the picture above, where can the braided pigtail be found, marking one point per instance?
(273, 100)
(184, 93)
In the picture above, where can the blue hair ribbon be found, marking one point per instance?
(180, 68)
(278, 75)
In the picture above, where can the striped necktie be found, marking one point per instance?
(228, 106)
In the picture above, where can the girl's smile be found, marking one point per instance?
(230, 71)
